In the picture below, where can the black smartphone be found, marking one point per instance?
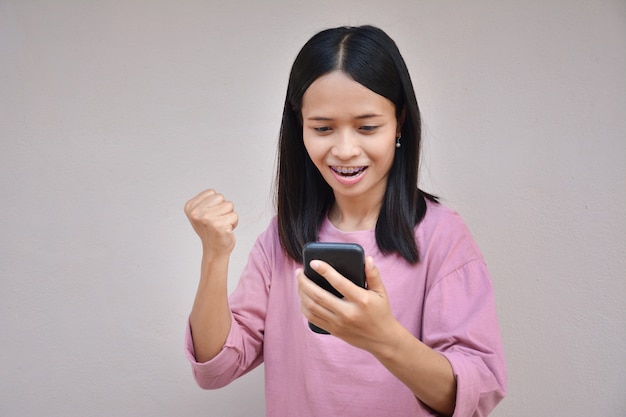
(346, 258)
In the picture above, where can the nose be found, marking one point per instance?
(346, 146)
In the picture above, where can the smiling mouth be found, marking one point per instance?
(348, 171)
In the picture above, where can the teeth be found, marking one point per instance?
(348, 170)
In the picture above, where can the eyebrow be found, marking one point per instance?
(326, 119)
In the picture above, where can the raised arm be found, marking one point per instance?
(214, 220)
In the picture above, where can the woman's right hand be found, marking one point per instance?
(214, 219)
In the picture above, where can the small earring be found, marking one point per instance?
(398, 144)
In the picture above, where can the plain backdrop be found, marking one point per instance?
(114, 113)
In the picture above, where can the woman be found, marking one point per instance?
(423, 338)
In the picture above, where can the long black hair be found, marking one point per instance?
(370, 57)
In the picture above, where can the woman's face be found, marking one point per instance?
(350, 134)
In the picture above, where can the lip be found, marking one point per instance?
(351, 180)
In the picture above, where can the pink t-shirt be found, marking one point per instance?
(446, 301)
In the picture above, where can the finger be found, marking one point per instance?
(212, 200)
(220, 216)
(220, 208)
(342, 284)
(231, 220)
(220, 223)
(309, 289)
(198, 199)
(212, 204)
(234, 220)
(372, 276)
(314, 299)
(206, 193)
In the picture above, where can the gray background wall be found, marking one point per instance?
(114, 113)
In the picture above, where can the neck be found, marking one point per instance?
(351, 216)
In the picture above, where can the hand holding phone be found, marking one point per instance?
(348, 259)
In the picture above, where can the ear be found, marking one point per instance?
(401, 119)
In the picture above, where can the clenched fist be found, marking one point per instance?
(214, 219)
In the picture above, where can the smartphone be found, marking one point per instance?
(346, 258)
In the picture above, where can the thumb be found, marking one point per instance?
(372, 276)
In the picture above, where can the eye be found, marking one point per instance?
(368, 128)
(322, 129)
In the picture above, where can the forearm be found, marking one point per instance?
(210, 317)
(426, 372)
